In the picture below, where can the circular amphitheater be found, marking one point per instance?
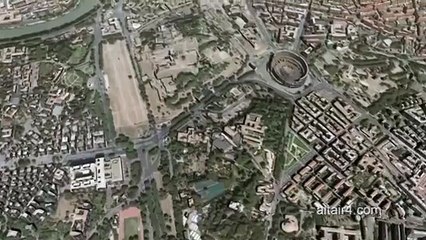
(288, 69)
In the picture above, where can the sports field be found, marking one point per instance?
(129, 111)
(131, 227)
(130, 224)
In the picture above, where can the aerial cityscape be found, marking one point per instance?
(213, 119)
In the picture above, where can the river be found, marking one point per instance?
(84, 7)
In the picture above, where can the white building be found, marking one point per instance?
(96, 174)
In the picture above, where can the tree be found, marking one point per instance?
(166, 179)
(163, 194)
(126, 143)
(135, 172)
(23, 162)
(133, 191)
(18, 130)
(68, 194)
(134, 237)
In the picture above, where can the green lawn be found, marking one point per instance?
(193, 26)
(46, 69)
(87, 68)
(78, 54)
(72, 78)
(389, 98)
(295, 150)
(135, 172)
(38, 53)
(131, 227)
(207, 45)
(62, 50)
(184, 78)
(288, 160)
(331, 69)
(299, 143)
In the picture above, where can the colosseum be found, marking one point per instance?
(288, 69)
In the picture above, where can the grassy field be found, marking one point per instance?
(46, 69)
(135, 172)
(193, 27)
(296, 149)
(88, 68)
(50, 230)
(73, 79)
(331, 69)
(39, 52)
(131, 227)
(299, 143)
(78, 55)
(389, 98)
